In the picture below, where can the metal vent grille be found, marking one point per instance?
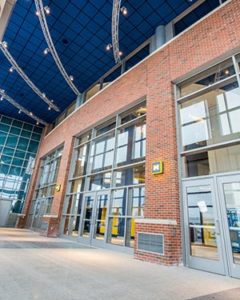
(151, 243)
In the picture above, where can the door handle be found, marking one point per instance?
(217, 227)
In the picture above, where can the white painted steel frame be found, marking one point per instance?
(52, 49)
(21, 108)
(18, 69)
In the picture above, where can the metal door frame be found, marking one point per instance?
(233, 269)
(42, 202)
(197, 262)
(91, 240)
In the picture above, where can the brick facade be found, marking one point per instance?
(213, 37)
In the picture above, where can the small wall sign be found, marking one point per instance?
(157, 167)
(58, 187)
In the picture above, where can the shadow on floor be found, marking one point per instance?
(40, 245)
(226, 295)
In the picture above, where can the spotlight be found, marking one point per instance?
(1, 99)
(45, 51)
(109, 47)
(5, 44)
(120, 53)
(71, 77)
(47, 10)
(227, 72)
(30, 114)
(37, 13)
(19, 111)
(11, 69)
(49, 108)
(37, 123)
(44, 95)
(124, 10)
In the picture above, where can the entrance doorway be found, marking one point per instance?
(95, 209)
(39, 212)
(212, 224)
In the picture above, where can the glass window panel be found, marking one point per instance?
(207, 78)
(133, 113)
(130, 176)
(26, 134)
(22, 144)
(222, 160)
(232, 200)
(77, 186)
(117, 228)
(81, 161)
(136, 200)
(118, 207)
(201, 223)
(15, 130)
(4, 127)
(33, 146)
(3, 137)
(100, 181)
(11, 141)
(205, 120)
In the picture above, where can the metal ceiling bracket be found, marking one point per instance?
(115, 29)
(4, 49)
(52, 49)
(21, 108)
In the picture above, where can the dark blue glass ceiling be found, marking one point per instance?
(80, 29)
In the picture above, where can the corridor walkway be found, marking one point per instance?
(35, 267)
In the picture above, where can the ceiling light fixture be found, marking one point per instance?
(47, 10)
(71, 77)
(46, 51)
(49, 108)
(109, 47)
(124, 10)
(19, 111)
(2, 97)
(4, 44)
(11, 70)
(37, 13)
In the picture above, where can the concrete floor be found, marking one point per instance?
(34, 267)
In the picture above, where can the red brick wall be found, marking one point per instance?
(206, 41)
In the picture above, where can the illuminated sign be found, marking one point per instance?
(157, 167)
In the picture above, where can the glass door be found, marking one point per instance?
(202, 227)
(40, 210)
(229, 194)
(95, 215)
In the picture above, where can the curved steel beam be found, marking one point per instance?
(52, 49)
(115, 29)
(21, 108)
(3, 47)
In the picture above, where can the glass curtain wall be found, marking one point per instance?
(45, 188)
(209, 110)
(110, 157)
(18, 146)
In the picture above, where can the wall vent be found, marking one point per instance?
(153, 243)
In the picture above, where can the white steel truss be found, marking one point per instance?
(115, 29)
(21, 108)
(52, 49)
(15, 66)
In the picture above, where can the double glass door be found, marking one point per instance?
(95, 209)
(212, 224)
